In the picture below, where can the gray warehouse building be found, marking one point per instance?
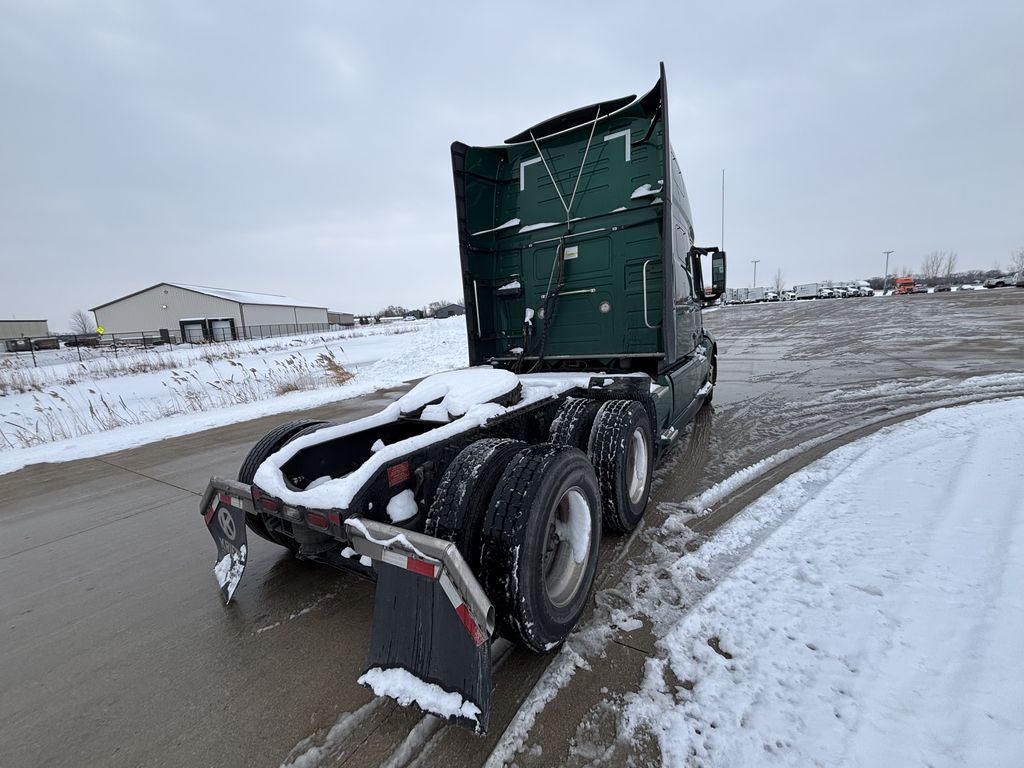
(15, 329)
(200, 313)
(450, 310)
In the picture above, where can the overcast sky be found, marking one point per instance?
(303, 148)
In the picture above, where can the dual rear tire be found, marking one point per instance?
(528, 519)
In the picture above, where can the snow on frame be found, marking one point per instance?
(541, 225)
(339, 492)
(402, 506)
(508, 224)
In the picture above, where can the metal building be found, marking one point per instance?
(15, 329)
(197, 313)
(449, 311)
(346, 319)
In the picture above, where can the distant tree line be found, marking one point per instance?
(940, 268)
(397, 310)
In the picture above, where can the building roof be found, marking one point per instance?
(247, 297)
(239, 297)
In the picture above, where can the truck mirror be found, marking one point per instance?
(718, 273)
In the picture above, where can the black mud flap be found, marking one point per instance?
(426, 651)
(225, 520)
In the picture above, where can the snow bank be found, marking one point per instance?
(147, 407)
(875, 620)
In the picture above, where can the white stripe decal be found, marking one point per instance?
(522, 170)
(620, 134)
(449, 589)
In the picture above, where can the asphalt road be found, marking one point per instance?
(116, 650)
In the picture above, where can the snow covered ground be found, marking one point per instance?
(71, 410)
(867, 611)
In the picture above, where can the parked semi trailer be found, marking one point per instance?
(477, 500)
(807, 290)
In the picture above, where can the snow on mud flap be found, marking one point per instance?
(224, 508)
(432, 625)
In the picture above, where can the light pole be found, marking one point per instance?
(754, 262)
(885, 275)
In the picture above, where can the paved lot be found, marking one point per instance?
(117, 652)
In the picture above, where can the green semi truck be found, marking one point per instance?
(477, 501)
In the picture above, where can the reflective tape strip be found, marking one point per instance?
(231, 501)
(406, 563)
(471, 626)
(478, 635)
(422, 567)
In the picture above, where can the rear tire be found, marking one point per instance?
(622, 452)
(269, 444)
(541, 539)
(573, 422)
(460, 503)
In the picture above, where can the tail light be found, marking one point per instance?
(316, 520)
(260, 499)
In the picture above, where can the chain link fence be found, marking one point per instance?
(115, 343)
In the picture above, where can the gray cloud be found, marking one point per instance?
(303, 148)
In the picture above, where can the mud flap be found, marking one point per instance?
(432, 625)
(225, 520)
(417, 629)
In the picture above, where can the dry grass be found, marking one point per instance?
(60, 416)
(18, 376)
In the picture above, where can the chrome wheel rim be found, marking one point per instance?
(636, 466)
(569, 538)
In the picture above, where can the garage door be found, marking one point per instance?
(220, 330)
(193, 332)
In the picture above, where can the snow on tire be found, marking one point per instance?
(572, 423)
(541, 539)
(268, 444)
(462, 496)
(622, 452)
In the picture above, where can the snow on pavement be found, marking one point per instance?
(874, 618)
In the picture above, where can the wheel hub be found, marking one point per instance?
(568, 547)
(636, 467)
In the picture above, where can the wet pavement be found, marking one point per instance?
(117, 652)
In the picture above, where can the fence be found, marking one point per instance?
(114, 343)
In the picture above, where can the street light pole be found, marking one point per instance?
(885, 275)
(754, 262)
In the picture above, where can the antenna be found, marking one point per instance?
(722, 241)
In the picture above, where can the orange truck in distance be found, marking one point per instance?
(904, 285)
